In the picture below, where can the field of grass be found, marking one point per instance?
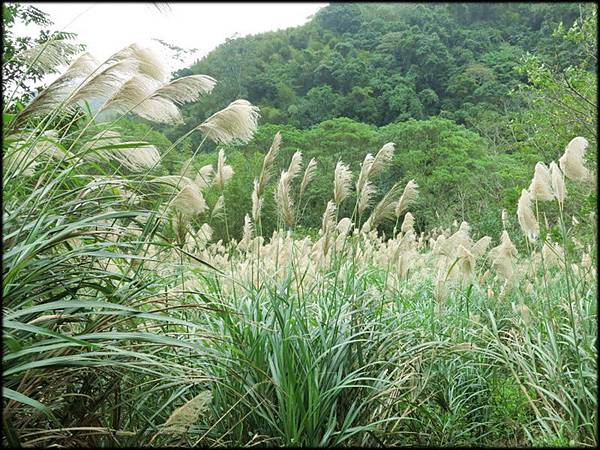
(124, 324)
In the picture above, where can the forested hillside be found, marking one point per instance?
(381, 63)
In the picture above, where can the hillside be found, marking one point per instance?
(381, 63)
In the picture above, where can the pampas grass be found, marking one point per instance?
(409, 195)
(224, 171)
(237, 122)
(527, 220)
(541, 184)
(572, 161)
(342, 182)
(558, 183)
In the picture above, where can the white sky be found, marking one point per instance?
(107, 27)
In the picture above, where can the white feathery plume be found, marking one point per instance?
(205, 233)
(295, 165)
(382, 159)
(176, 181)
(408, 223)
(527, 219)
(236, 122)
(309, 174)
(283, 199)
(558, 183)
(135, 96)
(265, 173)
(248, 230)
(365, 170)
(341, 182)
(385, 209)
(466, 262)
(150, 63)
(205, 176)
(409, 195)
(328, 221)
(224, 172)
(502, 256)
(187, 415)
(57, 91)
(256, 201)
(48, 55)
(190, 201)
(460, 237)
(344, 225)
(481, 246)
(186, 89)
(366, 196)
(572, 161)
(21, 155)
(327, 226)
(104, 83)
(218, 210)
(541, 185)
(135, 158)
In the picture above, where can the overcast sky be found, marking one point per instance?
(108, 27)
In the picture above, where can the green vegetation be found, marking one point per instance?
(430, 282)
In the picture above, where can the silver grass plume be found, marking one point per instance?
(204, 178)
(527, 219)
(236, 122)
(382, 159)
(283, 199)
(409, 195)
(504, 216)
(218, 209)
(187, 415)
(408, 223)
(205, 232)
(186, 89)
(366, 196)
(541, 185)
(385, 209)
(344, 225)
(341, 182)
(309, 174)
(135, 96)
(328, 225)
(572, 161)
(460, 237)
(48, 55)
(502, 256)
(190, 201)
(363, 175)
(104, 83)
(248, 231)
(22, 156)
(481, 246)
(256, 201)
(558, 183)
(295, 165)
(176, 181)
(57, 91)
(224, 172)
(135, 158)
(149, 62)
(266, 171)
(466, 262)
